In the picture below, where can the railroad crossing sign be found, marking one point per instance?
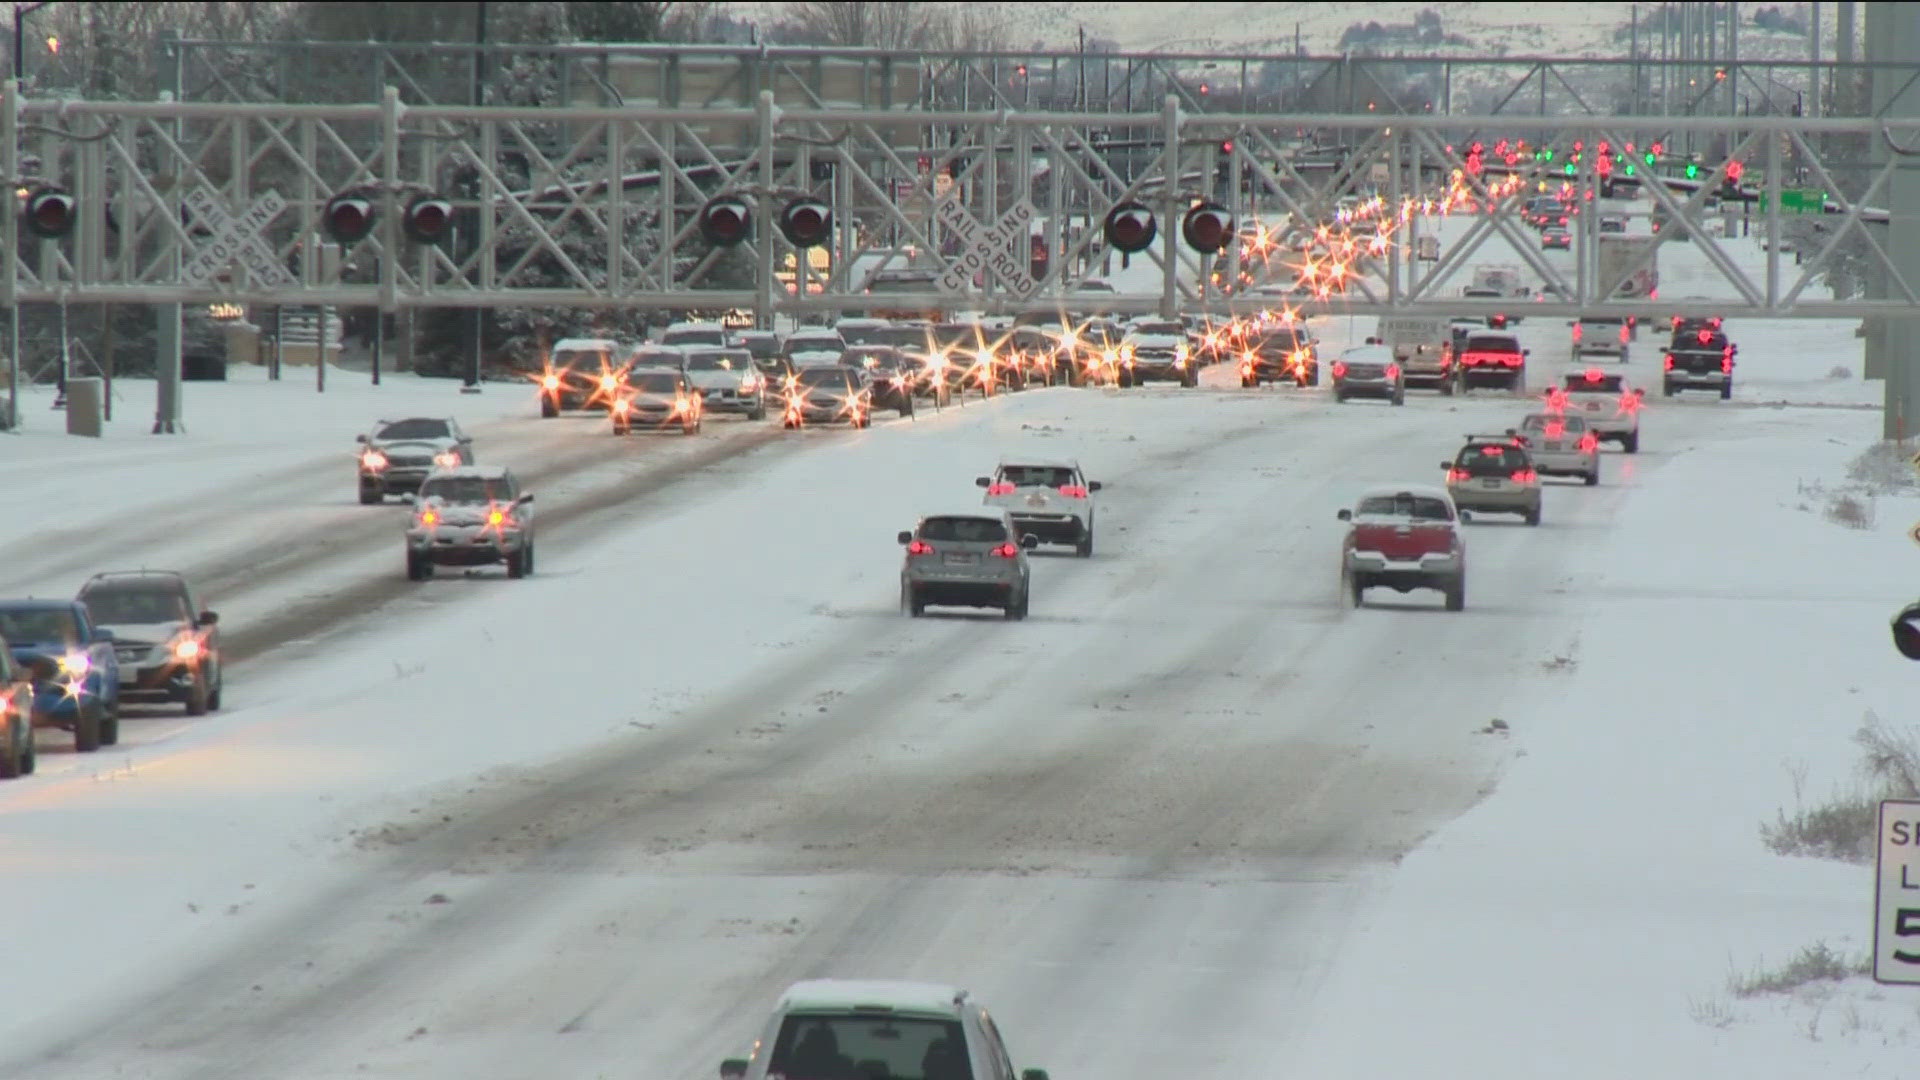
(999, 250)
(235, 239)
(1896, 907)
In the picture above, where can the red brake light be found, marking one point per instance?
(1000, 489)
(1006, 551)
(1625, 335)
(1594, 374)
(1525, 476)
(1705, 336)
(1459, 476)
(1589, 443)
(1073, 491)
(1669, 361)
(919, 547)
(1491, 451)
(1339, 370)
(1393, 371)
(1576, 331)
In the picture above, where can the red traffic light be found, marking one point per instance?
(1130, 227)
(427, 220)
(1734, 169)
(725, 221)
(806, 223)
(1226, 146)
(1659, 149)
(1207, 228)
(347, 219)
(50, 213)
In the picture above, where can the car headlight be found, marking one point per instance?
(373, 459)
(76, 664)
(188, 649)
(446, 459)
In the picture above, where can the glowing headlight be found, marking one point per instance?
(446, 459)
(187, 649)
(622, 405)
(374, 459)
(550, 382)
(76, 664)
(607, 383)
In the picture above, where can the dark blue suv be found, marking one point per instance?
(76, 677)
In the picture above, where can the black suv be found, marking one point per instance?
(889, 376)
(167, 645)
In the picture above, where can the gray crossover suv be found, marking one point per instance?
(970, 558)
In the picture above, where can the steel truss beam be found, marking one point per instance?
(548, 212)
(708, 76)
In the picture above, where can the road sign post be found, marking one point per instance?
(1896, 909)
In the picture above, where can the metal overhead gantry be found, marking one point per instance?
(166, 202)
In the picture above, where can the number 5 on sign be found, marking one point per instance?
(1896, 913)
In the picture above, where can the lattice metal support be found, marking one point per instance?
(599, 207)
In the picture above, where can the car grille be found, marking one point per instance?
(410, 462)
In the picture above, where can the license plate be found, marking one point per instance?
(1489, 483)
(962, 560)
(1552, 446)
(1593, 406)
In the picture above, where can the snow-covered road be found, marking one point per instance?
(721, 760)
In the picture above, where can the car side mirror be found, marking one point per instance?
(209, 618)
(1345, 515)
(524, 499)
(1029, 541)
(1446, 464)
(360, 438)
(102, 636)
(1094, 485)
(1526, 352)
(905, 537)
(981, 481)
(1033, 1074)
(1466, 516)
(1640, 391)
(732, 1068)
(466, 440)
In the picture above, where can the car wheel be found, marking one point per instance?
(549, 408)
(219, 687)
(371, 496)
(789, 424)
(1400, 398)
(12, 752)
(86, 732)
(418, 569)
(1247, 382)
(1631, 443)
(1083, 548)
(1593, 478)
(915, 606)
(620, 429)
(1339, 398)
(690, 429)
(1726, 390)
(1666, 389)
(517, 564)
(1457, 594)
(906, 407)
(110, 724)
(1533, 516)
(197, 698)
(1356, 591)
(757, 414)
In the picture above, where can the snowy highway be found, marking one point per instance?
(725, 761)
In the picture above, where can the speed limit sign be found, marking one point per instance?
(1896, 909)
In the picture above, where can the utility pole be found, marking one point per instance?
(472, 383)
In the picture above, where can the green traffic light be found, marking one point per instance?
(1648, 158)
(1569, 168)
(1549, 154)
(1693, 171)
(1629, 168)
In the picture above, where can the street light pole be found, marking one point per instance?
(20, 13)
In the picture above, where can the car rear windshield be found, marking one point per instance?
(1491, 343)
(465, 490)
(862, 335)
(714, 336)
(815, 344)
(717, 361)
(577, 358)
(1037, 475)
(653, 382)
(121, 605)
(1691, 339)
(38, 627)
(823, 377)
(1601, 320)
(1492, 459)
(873, 356)
(816, 1047)
(1609, 384)
(1160, 329)
(414, 429)
(657, 357)
(966, 530)
(1554, 426)
(1418, 507)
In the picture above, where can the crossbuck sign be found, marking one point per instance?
(235, 239)
(999, 250)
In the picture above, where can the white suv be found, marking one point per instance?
(849, 1027)
(1051, 499)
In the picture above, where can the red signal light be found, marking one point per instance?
(1207, 228)
(347, 219)
(806, 223)
(725, 221)
(427, 219)
(1130, 227)
(50, 213)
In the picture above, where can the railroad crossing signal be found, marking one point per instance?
(428, 219)
(50, 213)
(1130, 228)
(806, 223)
(348, 219)
(725, 221)
(1207, 228)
